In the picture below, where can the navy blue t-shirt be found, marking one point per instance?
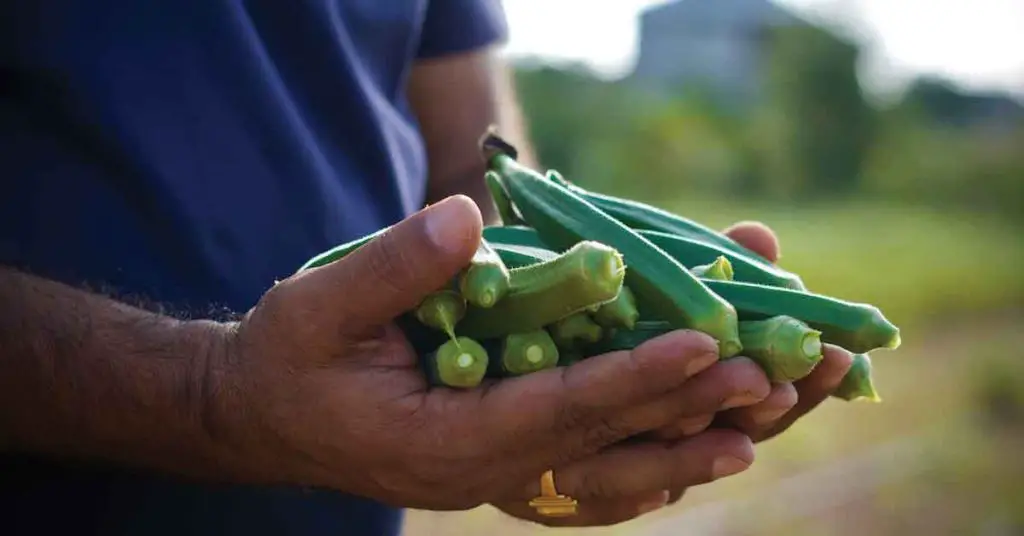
(191, 152)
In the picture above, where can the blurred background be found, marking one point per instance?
(884, 142)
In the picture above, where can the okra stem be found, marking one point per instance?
(589, 273)
(442, 310)
(527, 352)
(460, 362)
(785, 348)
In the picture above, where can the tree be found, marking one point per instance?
(825, 123)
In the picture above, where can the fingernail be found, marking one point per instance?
(728, 465)
(698, 364)
(651, 506)
(768, 416)
(447, 223)
(745, 399)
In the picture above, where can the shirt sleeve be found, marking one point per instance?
(454, 26)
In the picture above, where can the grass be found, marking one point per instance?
(953, 284)
(914, 263)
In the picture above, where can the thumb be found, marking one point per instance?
(394, 272)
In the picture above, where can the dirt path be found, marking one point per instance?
(817, 490)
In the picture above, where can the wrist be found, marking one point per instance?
(230, 440)
(215, 412)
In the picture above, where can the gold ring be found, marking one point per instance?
(550, 503)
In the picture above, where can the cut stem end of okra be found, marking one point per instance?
(785, 348)
(461, 362)
(811, 346)
(528, 352)
(534, 354)
(465, 361)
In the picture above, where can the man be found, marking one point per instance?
(165, 162)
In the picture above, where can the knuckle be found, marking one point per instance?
(746, 377)
(571, 414)
(606, 432)
(786, 395)
(681, 476)
(594, 484)
(274, 300)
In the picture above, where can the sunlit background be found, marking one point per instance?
(884, 141)
(978, 44)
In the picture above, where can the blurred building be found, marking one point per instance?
(712, 46)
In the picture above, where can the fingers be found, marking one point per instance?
(550, 405)
(756, 419)
(732, 383)
(676, 494)
(756, 237)
(392, 273)
(594, 512)
(735, 382)
(811, 391)
(685, 427)
(817, 386)
(638, 468)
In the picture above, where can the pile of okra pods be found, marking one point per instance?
(572, 273)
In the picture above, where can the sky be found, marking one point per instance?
(977, 44)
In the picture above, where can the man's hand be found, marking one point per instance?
(787, 402)
(626, 481)
(317, 387)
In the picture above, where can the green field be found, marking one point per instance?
(916, 264)
(952, 392)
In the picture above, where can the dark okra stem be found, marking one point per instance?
(858, 383)
(442, 310)
(620, 312)
(785, 348)
(720, 270)
(460, 362)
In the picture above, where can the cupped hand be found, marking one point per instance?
(317, 387)
(787, 402)
(630, 478)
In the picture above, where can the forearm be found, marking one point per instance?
(87, 377)
(454, 115)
